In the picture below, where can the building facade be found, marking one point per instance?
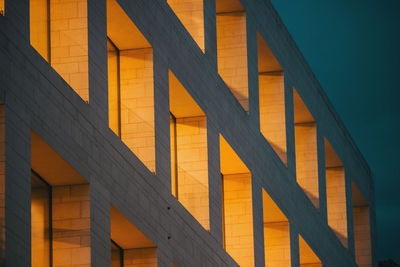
(171, 133)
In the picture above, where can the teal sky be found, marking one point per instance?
(353, 47)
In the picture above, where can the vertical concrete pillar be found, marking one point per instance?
(210, 33)
(100, 225)
(97, 53)
(214, 182)
(258, 224)
(349, 215)
(2, 183)
(17, 187)
(289, 114)
(161, 118)
(322, 175)
(294, 246)
(252, 63)
(17, 11)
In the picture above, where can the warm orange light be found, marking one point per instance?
(307, 255)
(190, 13)
(237, 206)
(132, 241)
(306, 149)
(276, 234)
(232, 48)
(62, 39)
(336, 193)
(189, 158)
(271, 99)
(130, 85)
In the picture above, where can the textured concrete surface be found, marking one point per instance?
(36, 98)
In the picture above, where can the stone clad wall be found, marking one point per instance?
(238, 210)
(71, 226)
(190, 13)
(137, 103)
(232, 54)
(37, 99)
(306, 160)
(336, 202)
(193, 167)
(272, 112)
(69, 43)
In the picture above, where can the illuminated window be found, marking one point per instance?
(190, 13)
(60, 210)
(129, 246)
(189, 159)
(272, 99)
(232, 48)
(41, 235)
(130, 85)
(2, 7)
(336, 193)
(117, 255)
(276, 234)
(58, 31)
(362, 232)
(307, 255)
(306, 149)
(237, 206)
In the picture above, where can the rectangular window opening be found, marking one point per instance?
(276, 234)
(129, 245)
(61, 38)
(271, 99)
(336, 193)
(190, 13)
(362, 231)
(232, 48)
(237, 205)
(306, 149)
(60, 210)
(130, 85)
(189, 159)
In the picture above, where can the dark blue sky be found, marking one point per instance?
(353, 48)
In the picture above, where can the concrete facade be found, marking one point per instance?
(50, 123)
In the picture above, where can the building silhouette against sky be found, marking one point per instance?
(171, 133)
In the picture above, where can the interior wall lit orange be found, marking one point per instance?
(59, 32)
(190, 13)
(336, 193)
(306, 149)
(271, 99)
(189, 156)
(138, 249)
(237, 206)
(70, 204)
(232, 48)
(130, 85)
(276, 234)
(307, 255)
